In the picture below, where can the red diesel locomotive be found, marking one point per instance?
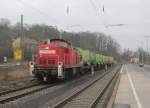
(56, 58)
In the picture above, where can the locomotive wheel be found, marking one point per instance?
(68, 73)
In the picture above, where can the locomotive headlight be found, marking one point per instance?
(60, 63)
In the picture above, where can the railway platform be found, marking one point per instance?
(134, 87)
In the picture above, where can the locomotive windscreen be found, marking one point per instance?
(58, 43)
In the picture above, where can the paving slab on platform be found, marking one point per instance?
(134, 88)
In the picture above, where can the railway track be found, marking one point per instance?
(89, 94)
(77, 99)
(15, 85)
(19, 93)
(17, 89)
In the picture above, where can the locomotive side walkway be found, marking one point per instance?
(134, 87)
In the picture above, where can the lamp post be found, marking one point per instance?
(22, 26)
(142, 56)
(147, 39)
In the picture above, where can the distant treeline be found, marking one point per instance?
(98, 42)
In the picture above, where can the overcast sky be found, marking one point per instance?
(134, 14)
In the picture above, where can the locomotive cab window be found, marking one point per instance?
(59, 43)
